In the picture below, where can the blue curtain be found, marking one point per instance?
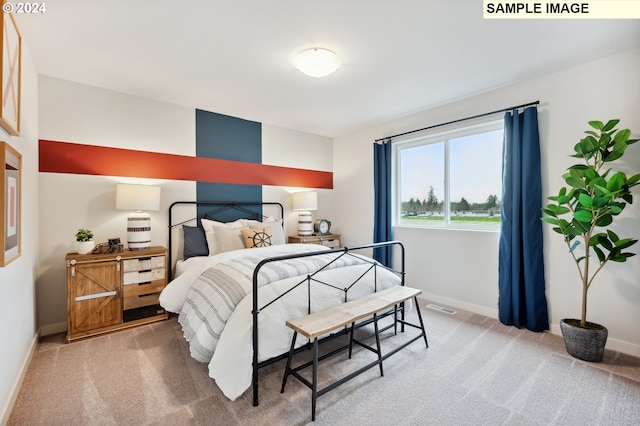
(382, 230)
(521, 301)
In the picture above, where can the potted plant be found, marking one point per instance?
(84, 237)
(583, 213)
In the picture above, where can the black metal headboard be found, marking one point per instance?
(221, 211)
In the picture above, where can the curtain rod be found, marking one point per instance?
(459, 120)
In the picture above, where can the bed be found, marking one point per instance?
(237, 282)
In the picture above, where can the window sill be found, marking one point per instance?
(494, 228)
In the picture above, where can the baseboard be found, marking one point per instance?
(18, 383)
(612, 344)
(47, 330)
(455, 303)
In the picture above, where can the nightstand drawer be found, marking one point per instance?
(331, 243)
(143, 276)
(138, 301)
(143, 289)
(327, 240)
(143, 263)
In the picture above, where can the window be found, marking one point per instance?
(450, 179)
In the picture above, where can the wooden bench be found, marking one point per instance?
(320, 323)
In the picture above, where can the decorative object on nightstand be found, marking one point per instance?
(137, 198)
(111, 246)
(322, 227)
(304, 202)
(84, 237)
(113, 291)
(329, 240)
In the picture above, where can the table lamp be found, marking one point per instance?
(304, 202)
(136, 198)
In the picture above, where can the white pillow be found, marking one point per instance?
(210, 227)
(228, 238)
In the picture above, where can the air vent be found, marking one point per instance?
(441, 309)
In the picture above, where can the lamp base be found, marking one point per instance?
(139, 231)
(305, 226)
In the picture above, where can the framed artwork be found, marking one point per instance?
(10, 204)
(10, 73)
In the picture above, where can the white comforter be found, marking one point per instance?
(231, 352)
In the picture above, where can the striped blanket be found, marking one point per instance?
(220, 288)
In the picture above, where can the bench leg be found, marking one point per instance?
(375, 325)
(395, 320)
(351, 339)
(314, 383)
(424, 333)
(287, 369)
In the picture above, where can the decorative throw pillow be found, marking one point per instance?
(195, 243)
(256, 237)
(210, 227)
(277, 231)
(228, 239)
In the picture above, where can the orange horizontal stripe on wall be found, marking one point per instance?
(73, 158)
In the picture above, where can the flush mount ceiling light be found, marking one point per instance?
(317, 62)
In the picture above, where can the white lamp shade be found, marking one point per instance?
(135, 197)
(307, 200)
(317, 62)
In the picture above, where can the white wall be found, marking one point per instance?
(17, 316)
(290, 148)
(72, 112)
(459, 268)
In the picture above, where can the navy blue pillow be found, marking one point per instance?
(195, 242)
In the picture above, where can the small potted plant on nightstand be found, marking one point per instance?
(84, 237)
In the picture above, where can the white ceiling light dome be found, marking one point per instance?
(317, 62)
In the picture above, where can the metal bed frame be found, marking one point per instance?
(241, 210)
(237, 210)
(345, 251)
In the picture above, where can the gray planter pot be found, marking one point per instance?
(584, 343)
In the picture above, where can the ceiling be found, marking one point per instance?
(236, 58)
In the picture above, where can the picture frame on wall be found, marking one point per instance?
(10, 73)
(10, 204)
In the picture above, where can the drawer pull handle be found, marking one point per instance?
(96, 295)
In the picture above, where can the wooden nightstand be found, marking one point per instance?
(330, 240)
(108, 292)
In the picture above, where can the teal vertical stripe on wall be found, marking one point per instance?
(228, 138)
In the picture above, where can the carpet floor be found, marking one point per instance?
(476, 371)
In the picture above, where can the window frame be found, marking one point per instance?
(444, 136)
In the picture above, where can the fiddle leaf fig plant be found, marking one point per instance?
(595, 194)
